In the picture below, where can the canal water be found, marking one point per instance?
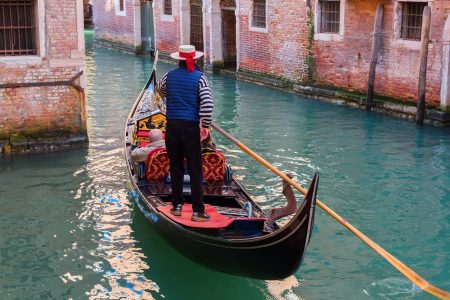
(69, 228)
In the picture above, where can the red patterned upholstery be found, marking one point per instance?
(158, 165)
(142, 133)
(213, 166)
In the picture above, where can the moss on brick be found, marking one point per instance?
(17, 139)
(43, 133)
(350, 95)
(218, 64)
(264, 78)
(445, 109)
(116, 44)
(310, 62)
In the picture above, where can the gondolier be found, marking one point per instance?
(189, 108)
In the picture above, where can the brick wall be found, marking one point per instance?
(345, 63)
(167, 27)
(117, 29)
(282, 50)
(53, 108)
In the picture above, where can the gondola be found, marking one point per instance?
(238, 239)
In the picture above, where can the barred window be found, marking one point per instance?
(412, 20)
(197, 24)
(330, 14)
(17, 29)
(259, 13)
(167, 7)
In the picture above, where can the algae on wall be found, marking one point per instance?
(310, 56)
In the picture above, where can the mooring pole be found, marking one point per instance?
(425, 37)
(376, 42)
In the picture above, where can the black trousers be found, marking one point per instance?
(183, 141)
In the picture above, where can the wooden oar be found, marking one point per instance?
(413, 276)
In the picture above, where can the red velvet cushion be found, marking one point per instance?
(213, 166)
(158, 165)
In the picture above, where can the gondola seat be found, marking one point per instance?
(213, 166)
(158, 165)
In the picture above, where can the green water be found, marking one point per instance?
(69, 229)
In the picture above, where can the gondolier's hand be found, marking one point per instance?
(203, 133)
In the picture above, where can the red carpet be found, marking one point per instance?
(217, 220)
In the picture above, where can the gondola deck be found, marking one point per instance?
(218, 220)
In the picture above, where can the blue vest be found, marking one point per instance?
(183, 101)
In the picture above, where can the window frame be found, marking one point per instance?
(23, 32)
(329, 36)
(252, 27)
(120, 12)
(39, 29)
(398, 21)
(329, 23)
(164, 12)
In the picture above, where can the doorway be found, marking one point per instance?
(229, 38)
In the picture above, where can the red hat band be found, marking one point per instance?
(189, 60)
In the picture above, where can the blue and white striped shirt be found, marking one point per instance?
(204, 91)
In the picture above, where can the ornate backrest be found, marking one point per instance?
(158, 165)
(213, 166)
(145, 124)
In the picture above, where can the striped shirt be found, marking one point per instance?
(204, 91)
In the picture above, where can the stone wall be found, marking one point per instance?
(42, 96)
(115, 28)
(281, 49)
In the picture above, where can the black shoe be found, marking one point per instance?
(176, 210)
(200, 217)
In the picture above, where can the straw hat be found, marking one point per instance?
(186, 51)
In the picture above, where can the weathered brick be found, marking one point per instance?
(45, 108)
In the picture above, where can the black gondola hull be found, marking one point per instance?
(275, 256)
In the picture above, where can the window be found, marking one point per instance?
(259, 13)
(121, 8)
(197, 24)
(411, 20)
(17, 29)
(329, 16)
(167, 7)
